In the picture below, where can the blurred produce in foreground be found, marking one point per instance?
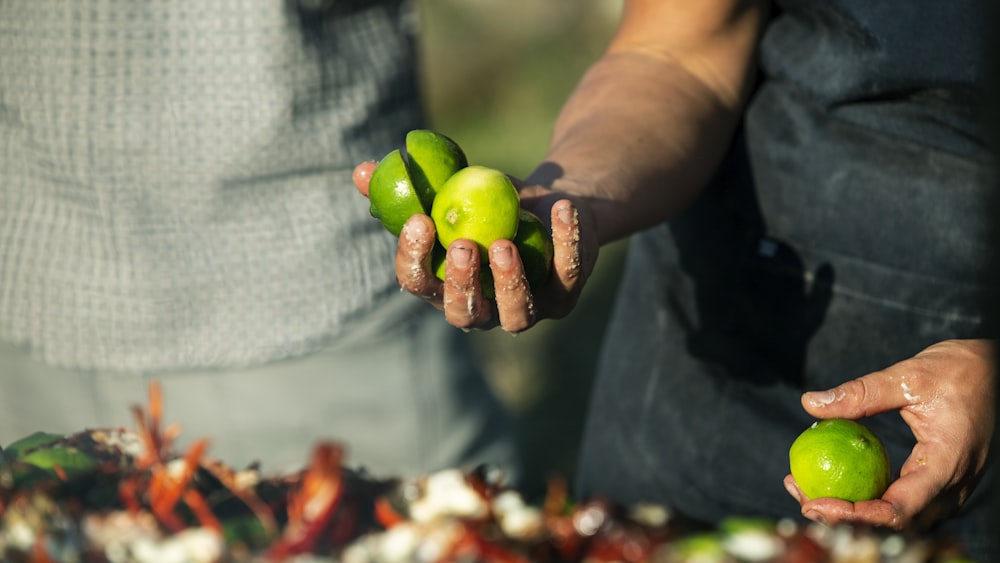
(496, 73)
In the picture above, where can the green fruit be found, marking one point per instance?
(703, 547)
(534, 245)
(406, 181)
(479, 204)
(392, 195)
(431, 159)
(439, 258)
(840, 458)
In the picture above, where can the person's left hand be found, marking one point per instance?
(946, 395)
(514, 307)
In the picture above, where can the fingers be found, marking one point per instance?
(515, 302)
(879, 512)
(460, 296)
(908, 503)
(872, 394)
(513, 306)
(363, 175)
(464, 304)
(870, 512)
(793, 489)
(568, 259)
(413, 260)
(911, 500)
(917, 383)
(518, 308)
(916, 497)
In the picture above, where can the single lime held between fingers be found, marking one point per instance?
(839, 458)
(405, 182)
(479, 204)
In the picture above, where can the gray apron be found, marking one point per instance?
(846, 232)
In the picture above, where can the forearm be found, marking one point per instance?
(654, 152)
(646, 128)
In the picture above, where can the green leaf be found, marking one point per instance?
(36, 440)
(70, 460)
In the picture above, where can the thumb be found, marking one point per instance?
(872, 394)
(362, 176)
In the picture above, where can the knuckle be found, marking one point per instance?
(862, 390)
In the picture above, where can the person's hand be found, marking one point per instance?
(515, 308)
(946, 395)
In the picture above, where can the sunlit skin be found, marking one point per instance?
(641, 134)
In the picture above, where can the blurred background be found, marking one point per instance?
(495, 73)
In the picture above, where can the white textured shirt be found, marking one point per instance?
(175, 176)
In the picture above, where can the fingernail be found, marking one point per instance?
(821, 398)
(502, 257)
(565, 214)
(461, 256)
(815, 516)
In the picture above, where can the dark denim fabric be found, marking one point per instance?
(842, 236)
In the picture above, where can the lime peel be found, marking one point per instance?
(840, 458)
(479, 204)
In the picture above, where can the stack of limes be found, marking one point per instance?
(431, 175)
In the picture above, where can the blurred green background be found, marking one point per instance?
(495, 73)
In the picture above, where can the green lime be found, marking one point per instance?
(479, 204)
(741, 524)
(431, 159)
(392, 196)
(534, 244)
(405, 182)
(702, 547)
(840, 458)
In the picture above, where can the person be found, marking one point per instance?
(803, 186)
(177, 205)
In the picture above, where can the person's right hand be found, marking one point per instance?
(515, 308)
(945, 394)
